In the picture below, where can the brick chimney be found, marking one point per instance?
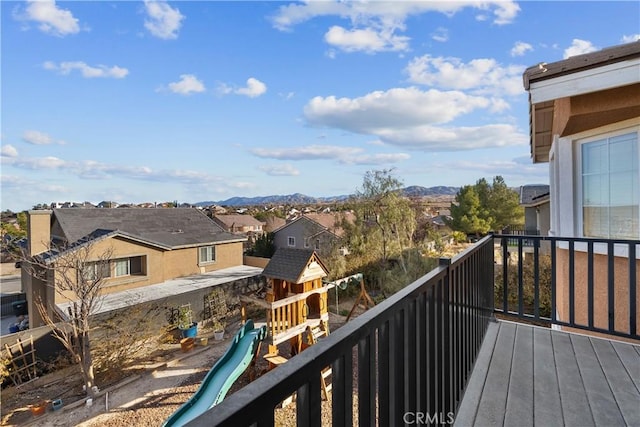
(38, 231)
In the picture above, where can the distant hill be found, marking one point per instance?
(417, 191)
(302, 199)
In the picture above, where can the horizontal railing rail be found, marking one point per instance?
(413, 355)
(520, 231)
(582, 283)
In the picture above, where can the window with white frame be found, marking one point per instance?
(610, 191)
(96, 270)
(207, 254)
(132, 266)
(121, 267)
(291, 241)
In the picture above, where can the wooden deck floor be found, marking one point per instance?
(527, 375)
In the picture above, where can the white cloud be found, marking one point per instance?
(415, 119)
(520, 48)
(374, 25)
(387, 13)
(433, 138)
(367, 40)
(187, 85)
(39, 138)
(344, 155)
(253, 89)
(518, 169)
(91, 169)
(8, 151)
(630, 38)
(87, 71)
(162, 20)
(309, 152)
(50, 18)
(376, 159)
(280, 170)
(397, 108)
(440, 35)
(481, 76)
(578, 47)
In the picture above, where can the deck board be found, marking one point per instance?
(519, 408)
(527, 375)
(546, 395)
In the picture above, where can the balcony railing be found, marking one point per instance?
(413, 355)
(582, 283)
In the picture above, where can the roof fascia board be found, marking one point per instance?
(593, 80)
(196, 245)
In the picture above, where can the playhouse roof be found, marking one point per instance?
(295, 265)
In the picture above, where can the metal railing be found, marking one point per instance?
(413, 355)
(583, 283)
(520, 231)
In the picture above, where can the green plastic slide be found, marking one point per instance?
(221, 377)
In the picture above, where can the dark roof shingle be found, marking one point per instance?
(288, 264)
(171, 228)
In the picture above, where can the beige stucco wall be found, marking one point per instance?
(38, 229)
(600, 292)
(161, 265)
(255, 261)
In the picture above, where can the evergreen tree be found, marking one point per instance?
(467, 214)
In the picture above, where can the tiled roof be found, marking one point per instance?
(533, 194)
(168, 227)
(289, 264)
(238, 220)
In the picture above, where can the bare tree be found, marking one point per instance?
(76, 274)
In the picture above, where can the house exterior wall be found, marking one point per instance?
(300, 229)
(600, 292)
(39, 231)
(160, 265)
(530, 218)
(544, 218)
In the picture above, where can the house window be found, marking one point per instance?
(121, 267)
(306, 242)
(132, 266)
(610, 187)
(291, 241)
(96, 270)
(207, 254)
(317, 244)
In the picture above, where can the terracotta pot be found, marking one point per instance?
(39, 408)
(186, 344)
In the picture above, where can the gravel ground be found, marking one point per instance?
(153, 396)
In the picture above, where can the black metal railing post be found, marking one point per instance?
(581, 271)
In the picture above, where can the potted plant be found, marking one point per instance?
(218, 329)
(188, 328)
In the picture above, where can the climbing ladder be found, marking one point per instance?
(315, 333)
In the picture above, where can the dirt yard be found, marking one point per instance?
(151, 393)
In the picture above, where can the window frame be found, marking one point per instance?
(94, 265)
(291, 241)
(578, 175)
(115, 267)
(212, 252)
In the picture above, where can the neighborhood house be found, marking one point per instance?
(146, 248)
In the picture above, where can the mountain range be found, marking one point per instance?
(302, 199)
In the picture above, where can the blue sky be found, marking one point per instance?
(154, 101)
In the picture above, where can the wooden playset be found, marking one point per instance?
(296, 301)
